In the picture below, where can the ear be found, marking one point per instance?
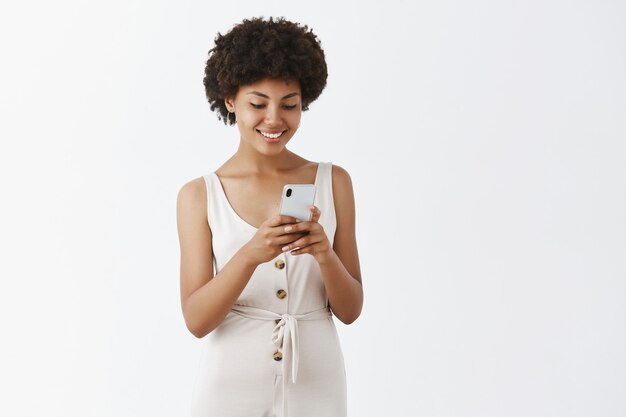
(230, 104)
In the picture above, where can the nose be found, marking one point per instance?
(272, 115)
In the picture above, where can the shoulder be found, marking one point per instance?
(343, 194)
(192, 196)
(192, 189)
(341, 179)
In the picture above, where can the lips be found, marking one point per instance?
(271, 135)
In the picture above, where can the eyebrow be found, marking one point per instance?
(256, 93)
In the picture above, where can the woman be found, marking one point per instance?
(260, 286)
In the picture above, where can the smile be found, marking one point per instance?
(271, 135)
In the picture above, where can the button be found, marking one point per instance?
(278, 356)
(281, 294)
(280, 264)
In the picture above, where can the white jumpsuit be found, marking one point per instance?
(277, 352)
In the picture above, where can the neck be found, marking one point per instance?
(253, 162)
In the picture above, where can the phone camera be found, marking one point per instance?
(288, 192)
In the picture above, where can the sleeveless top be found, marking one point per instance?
(230, 232)
(287, 291)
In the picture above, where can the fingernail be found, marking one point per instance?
(288, 229)
(285, 248)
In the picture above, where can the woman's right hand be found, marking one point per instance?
(268, 241)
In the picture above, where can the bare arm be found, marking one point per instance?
(341, 272)
(339, 264)
(207, 299)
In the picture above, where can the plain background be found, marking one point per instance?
(485, 141)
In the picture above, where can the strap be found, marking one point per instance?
(324, 199)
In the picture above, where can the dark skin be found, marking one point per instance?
(252, 180)
(256, 196)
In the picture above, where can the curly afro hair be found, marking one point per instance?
(256, 49)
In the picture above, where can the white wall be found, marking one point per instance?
(485, 141)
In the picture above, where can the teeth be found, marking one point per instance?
(271, 135)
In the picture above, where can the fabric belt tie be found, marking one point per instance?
(285, 330)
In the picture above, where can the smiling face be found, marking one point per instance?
(268, 113)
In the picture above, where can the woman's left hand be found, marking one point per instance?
(315, 242)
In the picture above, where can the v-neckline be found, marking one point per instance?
(232, 209)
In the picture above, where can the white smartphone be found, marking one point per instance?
(296, 200)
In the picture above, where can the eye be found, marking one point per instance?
(290, 107)
(257, 106)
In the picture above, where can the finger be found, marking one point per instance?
(300, 251)
(288, 238)
(281, 219)
(316, 213)
(301, 243)
(301, 227)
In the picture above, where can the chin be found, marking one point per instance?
(273, 150)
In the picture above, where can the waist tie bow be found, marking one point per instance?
(286, 330)
(284, 336)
